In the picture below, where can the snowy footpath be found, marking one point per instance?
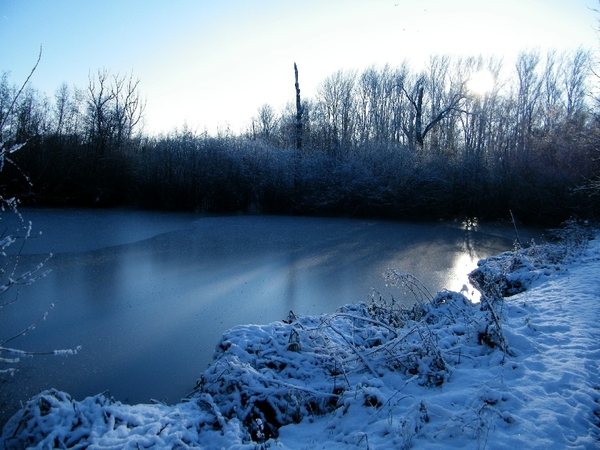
(518, 369)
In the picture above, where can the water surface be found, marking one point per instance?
(148, 295)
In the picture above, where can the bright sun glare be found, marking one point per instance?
(481, 82)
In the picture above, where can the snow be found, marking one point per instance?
(518, 369)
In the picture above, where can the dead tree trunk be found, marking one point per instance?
(299, 110)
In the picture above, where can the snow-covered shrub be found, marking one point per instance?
(571, 238)
(512, 272)
(504, 275)
(52, 419)
(412, 423)
(261, 372)
(286, 371)
(394, 314)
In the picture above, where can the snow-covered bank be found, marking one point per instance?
(520, 371)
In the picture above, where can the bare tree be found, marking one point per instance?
(527, 100)
(62, 107)
(128, 108)
(32, 115)
(479, 116)
(67, 110)
(265, 123)
(576, 73)
(7, 93)
(99, 99)
(336, 98)
(378, 104)
(419, 127)
(114, 110)
(552, 91)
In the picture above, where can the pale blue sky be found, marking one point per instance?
(213, 63)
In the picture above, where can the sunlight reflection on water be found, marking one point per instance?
(458, 276)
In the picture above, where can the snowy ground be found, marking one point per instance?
(520, 369)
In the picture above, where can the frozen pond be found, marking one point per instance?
(148, 295)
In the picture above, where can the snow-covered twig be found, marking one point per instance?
(28, 329)
(368, 320)
(355, 350)
(412, 283)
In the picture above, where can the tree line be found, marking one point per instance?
(387, 141)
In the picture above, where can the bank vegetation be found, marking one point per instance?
(389, 142)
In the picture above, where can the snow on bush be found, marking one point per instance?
(442, 372)
(53, 420)
(286, 371)
(510, 273)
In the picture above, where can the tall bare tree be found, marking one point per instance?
(114, 110)
(336, 98)
(419, 125)
(527, 100)
(576, 73)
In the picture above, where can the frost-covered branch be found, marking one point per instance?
(16, 97)
(11, 273)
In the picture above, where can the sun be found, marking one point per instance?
(481, 82)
